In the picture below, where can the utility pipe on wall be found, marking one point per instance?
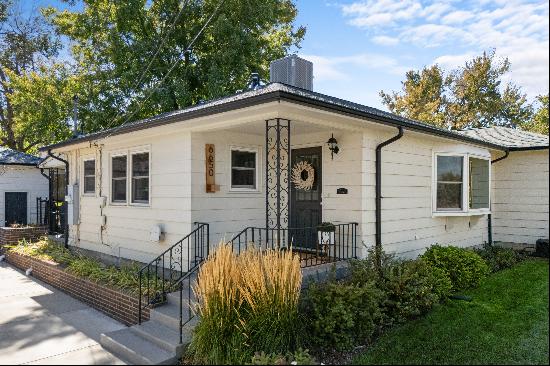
(379, 189)
(490, 216)
(66, 192)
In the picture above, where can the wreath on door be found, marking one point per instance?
(303, 175)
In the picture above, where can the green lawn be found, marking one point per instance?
(506, 323)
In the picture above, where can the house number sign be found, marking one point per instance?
(210, 151)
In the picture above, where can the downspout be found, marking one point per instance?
(490, 216)
(379, 192)
(66, 193)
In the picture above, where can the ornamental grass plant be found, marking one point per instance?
(247, 303)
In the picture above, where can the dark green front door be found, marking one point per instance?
(306, 209)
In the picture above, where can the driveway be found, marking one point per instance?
(42, 325)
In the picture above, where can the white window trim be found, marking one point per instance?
(130, 174)
(111, 156)
(83, 160)
(466, 211)
(253, 149)
(480, 211)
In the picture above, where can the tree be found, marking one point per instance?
(113, 42)
(27, 45)
(423, 98)
(471, 96)
(539, 121)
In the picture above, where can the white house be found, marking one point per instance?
(520, 185)
(20, 185)
(137, 189)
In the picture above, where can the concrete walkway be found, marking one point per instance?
(42, 325)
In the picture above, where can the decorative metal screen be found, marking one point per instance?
(277, 177)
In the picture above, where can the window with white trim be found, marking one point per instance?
(89, 176)
(119, 167)
(479, 183)
(462, 184)
(449, 183)
(243, 169)
(140, 177)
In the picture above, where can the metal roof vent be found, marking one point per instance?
(292, 70)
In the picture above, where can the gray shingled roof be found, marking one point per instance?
(12, 157)
(271, 92)
(509, 137)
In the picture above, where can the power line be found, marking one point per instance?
(187, 49)
(164, 36)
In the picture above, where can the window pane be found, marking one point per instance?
(89, 184)
(449, 168)
(119, 167)
(140, 190)
(243, 159)
(479, 183)
(140, 164)
(449, 196)
(119, 190)
(243, 178)
(89, 167)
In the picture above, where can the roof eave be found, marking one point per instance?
(277, 95)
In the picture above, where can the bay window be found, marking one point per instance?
(461, 184)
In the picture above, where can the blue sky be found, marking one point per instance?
(360, 47)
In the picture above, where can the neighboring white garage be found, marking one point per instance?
(20, 185)
(520, 185)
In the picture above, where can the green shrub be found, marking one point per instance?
(300, 357)
(499, 258)
(341, 315)
(464, 267)
(410, 287)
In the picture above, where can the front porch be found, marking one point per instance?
(272, 182)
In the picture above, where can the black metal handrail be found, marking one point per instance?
(341, 244)
(168, 272)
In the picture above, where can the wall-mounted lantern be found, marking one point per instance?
(333, 146)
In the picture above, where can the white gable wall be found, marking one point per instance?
(520, 197)
(15, 178)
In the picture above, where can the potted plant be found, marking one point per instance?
(325, 234)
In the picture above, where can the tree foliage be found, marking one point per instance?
(31, 86)
(539, 121)
(113, 42)
(474, 95)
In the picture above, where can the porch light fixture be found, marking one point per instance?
(333, 146)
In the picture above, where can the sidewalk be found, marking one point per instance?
(42, 325)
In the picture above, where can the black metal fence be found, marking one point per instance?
(52, 215)
(174, 271)
(313, 246)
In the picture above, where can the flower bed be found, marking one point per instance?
(115, 303)
(113, 290)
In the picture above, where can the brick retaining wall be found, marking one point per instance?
(116, 304)
(12, 235)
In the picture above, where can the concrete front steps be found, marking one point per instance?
(154, 342)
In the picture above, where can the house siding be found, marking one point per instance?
(127, 230)
(408, 224)
(22, 179)
(520, 197)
